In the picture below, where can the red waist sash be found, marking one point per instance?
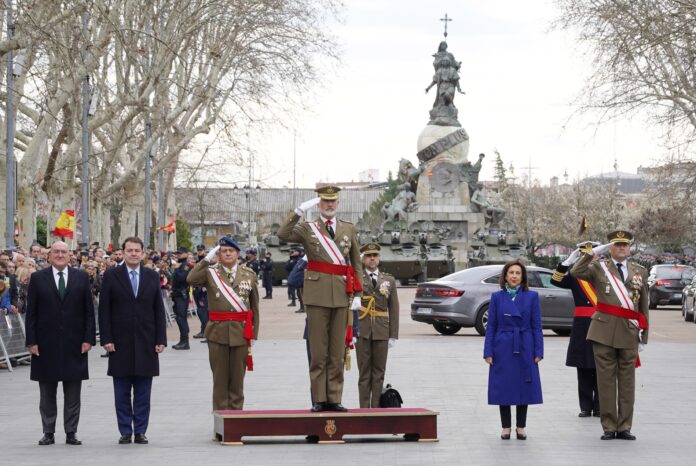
(245, 317)
(352, 282)
(624, 313)
(584, 311)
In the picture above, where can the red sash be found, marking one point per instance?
(584, 311)
(246, 317)
(624, 313)
(352, 282)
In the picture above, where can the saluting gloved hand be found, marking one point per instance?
(213, 252)
(570, 260)
(355, 305)
(392, 342)
(599, 250)
(305, 206)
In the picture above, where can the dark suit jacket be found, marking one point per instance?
(135, 325)
(59, 327)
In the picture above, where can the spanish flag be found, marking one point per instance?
(65, 226)
(170, 227)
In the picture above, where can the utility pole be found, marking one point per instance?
(85, 135)
(10, 182)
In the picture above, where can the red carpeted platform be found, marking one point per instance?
(327, 426)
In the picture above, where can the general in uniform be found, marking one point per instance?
(332, 277)
(580, 353)
(233, 301)
(378, 326)
(615, 330)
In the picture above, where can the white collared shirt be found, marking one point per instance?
(232, 271)
(333, 221)
(57, 278)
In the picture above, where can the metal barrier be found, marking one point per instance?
(12, 339)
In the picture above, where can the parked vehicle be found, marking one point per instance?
(666, 282)
(461, 300)
(689, 300)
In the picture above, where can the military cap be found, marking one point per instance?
(182, 250)
(370, 248)
(620, 236)
(228, 241)
(251, 251)
(328, 193)
(200, 247)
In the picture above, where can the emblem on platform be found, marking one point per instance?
(330, 427)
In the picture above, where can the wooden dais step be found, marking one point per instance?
(327, 426)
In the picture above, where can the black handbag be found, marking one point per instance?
(390, 398)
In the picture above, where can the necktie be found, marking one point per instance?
(134, 282)
(620, 267)
(61, 285)
(374, 279)
(330, 228)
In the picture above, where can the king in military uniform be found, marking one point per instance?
(378, 326)
(619, 324)
(332, 278)
(233, 301)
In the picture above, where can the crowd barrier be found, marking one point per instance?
(12, 339)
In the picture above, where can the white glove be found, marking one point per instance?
(253, 343)
(641, 347)
(570, 260)
(599, 250)
(355, 340)
(305, 206)
(212, 253)
(355, 305)
(392, 343)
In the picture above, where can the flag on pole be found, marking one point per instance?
(65, 225)
(170, 227)
(583, 225)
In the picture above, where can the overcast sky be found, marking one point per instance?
(520, 81)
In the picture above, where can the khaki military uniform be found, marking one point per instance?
(615, 340)
(326, 304)
(378, 322)
(227, 347)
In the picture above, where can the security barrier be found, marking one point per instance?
(12, 339)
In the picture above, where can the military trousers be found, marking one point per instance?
(616, 383)
(372, 364)
(228, 364)
(326, 328)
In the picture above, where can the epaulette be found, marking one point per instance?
(345, 221)
(558, 276)
(248, 269)
(386, 274)
(639, 265)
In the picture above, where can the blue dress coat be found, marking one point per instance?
(513, 340)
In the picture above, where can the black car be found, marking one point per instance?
(666, 283)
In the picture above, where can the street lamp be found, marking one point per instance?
(249, 192)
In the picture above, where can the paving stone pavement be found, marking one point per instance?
(445, 374)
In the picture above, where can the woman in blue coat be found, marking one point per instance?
(513, 347)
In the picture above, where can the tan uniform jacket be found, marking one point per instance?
(606, 329)
(321, 289)
(227, 332)
(387, 300)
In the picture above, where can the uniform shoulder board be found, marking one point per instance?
(345, 221)
(638, 264)
(247, 269)
(387, 275)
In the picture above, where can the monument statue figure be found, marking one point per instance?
(480, 203)
(470, 173)
(446, 77)
(409, 174)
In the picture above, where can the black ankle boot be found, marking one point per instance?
(182, 345)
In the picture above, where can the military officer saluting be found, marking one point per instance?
(233, 302)
(378, 326)
(332, 277)
(619, 324)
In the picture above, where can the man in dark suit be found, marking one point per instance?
(133, 331)
(60, 332)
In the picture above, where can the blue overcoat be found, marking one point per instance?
(513, 340)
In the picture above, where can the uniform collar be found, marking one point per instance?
(333, 220)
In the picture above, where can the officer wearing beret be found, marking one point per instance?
(618, 326)
(378, 324)
(332, 284)
(233, 320)
(180, 297)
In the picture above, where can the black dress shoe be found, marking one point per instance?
(199, 335)
(47, 439)
(124, 439)
(505, 436)
(141, 439)
(318, 407)
(608, 436)
(182, 345)
(336, 407)
(584, 413)
(71, 439)
(596, 414)
(625, 435)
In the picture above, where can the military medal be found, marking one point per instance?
(607, 289)
(217, 295)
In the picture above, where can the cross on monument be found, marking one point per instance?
(446, 20)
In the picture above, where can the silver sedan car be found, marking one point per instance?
(461, 300)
